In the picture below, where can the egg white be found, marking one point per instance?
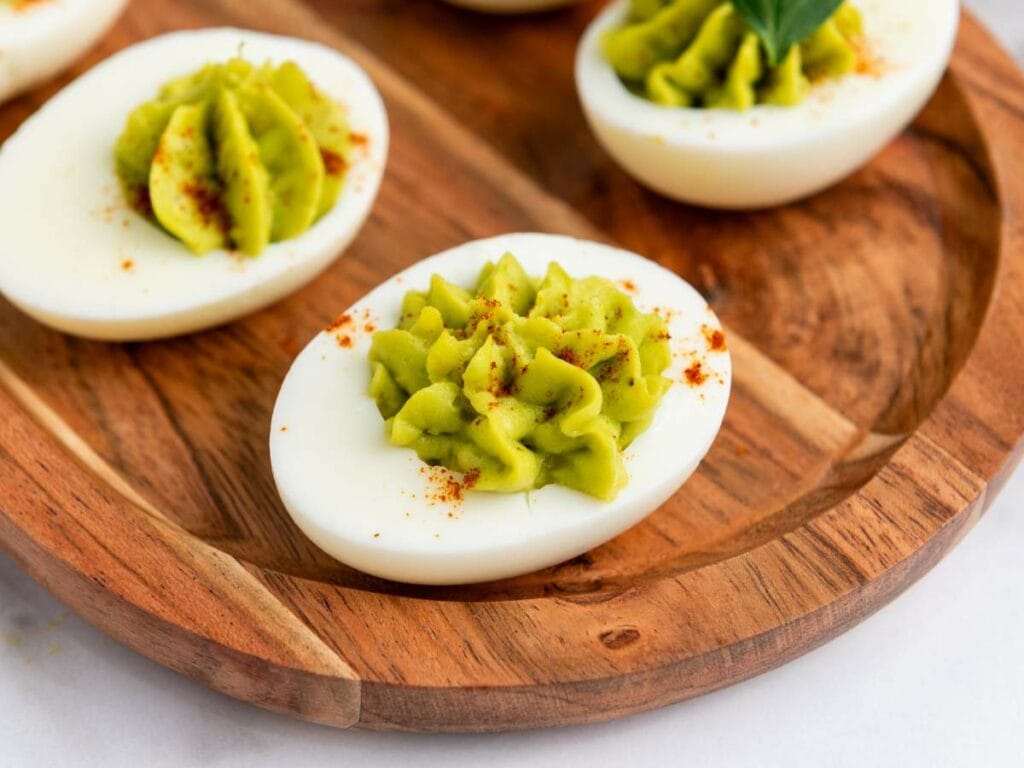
(39, 40)
(512, 6)
(771, 155)
(74, 256)
(365, 501)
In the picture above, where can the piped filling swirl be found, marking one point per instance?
(521, 382)
(235, 156)
(701, 53)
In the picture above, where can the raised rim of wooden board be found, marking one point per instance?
(62, 504)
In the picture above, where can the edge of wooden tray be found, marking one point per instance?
(71, 523)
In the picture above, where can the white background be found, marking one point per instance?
(936, 679)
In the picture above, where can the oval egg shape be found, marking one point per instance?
(770, 155)
(76, 257)
(378, 508)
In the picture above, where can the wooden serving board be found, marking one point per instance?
(877, 334)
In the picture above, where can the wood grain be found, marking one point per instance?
(876, 333)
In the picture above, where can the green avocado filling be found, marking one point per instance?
(521, 382)
(701, 53)
(235, 156)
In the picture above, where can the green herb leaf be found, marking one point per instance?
(782, 23)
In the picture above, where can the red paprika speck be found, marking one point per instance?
(207, 203)
(127, 265)
(570, 357)
(714, 337)
(339, 322)
(334, 164)
(446, 487)
(500, 389)
(694, 375)
(628, 286)
(346, 327)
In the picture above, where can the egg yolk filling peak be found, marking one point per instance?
(522, 382)
(235, 156)
(701, 53)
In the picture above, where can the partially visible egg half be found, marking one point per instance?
(512, 6)
(378, 508)
(39, 38)
(76, 257)
(769, 155)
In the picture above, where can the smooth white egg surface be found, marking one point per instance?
(512, 6)
(770, 155)
(39, 38)
(378, 508)
(77, 258)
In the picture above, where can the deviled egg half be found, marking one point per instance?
(39, 38)
(681, 95)
(498, 408)
(186, 181)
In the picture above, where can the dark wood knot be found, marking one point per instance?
(619, 637)
(578, 563)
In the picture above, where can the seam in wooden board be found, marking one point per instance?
(52, 424)
(55, 426)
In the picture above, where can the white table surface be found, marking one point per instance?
(935, 679)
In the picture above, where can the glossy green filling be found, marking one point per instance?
(701, 53)
(235, 156)
(519, 381)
